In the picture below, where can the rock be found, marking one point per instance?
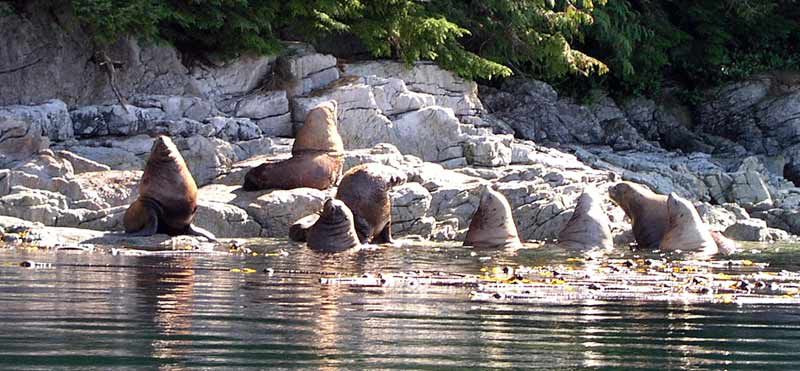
(51, 117)
(269, 110)
(103, 190)
(305, 72)
(19, 140)
(410, 202)
(491, 151)
(207, 158)
(749, 191)
(114, 158)
(50, 55)
(224, 220)
(231, 77)
(81, 164)
(717, 217)
(95, 121)
(176, 107)
(234, 129)
(448, 90)
(33, 205)
(432, 133)
(754, 230)
(787, 220)
(393, 97)
(276, 210)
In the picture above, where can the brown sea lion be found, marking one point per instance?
(646, 209)
(365, 190)
(587, 229)
(317, 156)
(686, 230)
(334, 230)
(492, 224)
(167, 196)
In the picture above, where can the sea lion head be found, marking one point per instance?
(492, 224)
(319, 132)
(335, 211)
(626, 194)
(164, 149)
(679, 209)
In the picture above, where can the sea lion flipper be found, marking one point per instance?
(194, 230)
(362, 228)
(385, 236)
(141, 220)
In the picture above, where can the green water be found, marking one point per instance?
(101, 311)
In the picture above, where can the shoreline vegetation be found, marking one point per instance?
(627, 47)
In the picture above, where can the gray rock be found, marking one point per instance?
(448, 90)
(19, 140)
(81, 164)
(305, 72)
(176, 107)
(48, 54)
(207, 158)
(234, 129)
(51, 117)
(754, 230)
(276, 210)
(491, 151)
(236, 76)
(94, 121)
(218, 216)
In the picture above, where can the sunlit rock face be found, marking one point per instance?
(75, 162)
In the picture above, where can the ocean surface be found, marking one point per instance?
(268, 309)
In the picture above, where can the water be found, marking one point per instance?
(98, 311)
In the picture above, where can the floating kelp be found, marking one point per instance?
(734, 281)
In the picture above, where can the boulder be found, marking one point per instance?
(19, 140)
(306, 71)
(448, 90)
(51, 118)
(754, 230)
(219, 79)
(276, 210)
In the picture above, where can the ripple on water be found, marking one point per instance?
(195, 312)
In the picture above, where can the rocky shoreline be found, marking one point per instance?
(78, 166)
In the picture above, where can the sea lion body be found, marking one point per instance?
(492, 224)
(167, 195)
(588, 228)
(646, 209)
(317, 157)
(334, 230)
(365, 190)
(313, 170)
(686, 231)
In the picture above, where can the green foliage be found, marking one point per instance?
(696, 43)
(530, 36)
(572, 43)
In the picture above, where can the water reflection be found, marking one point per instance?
(194, 312)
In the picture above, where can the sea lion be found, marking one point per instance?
(167, 196)
(587, 229)
(298, 231)
(492, 224)
(334, 230)
(686, 230)
(365, 190)
(646, 209)
(317, 156)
